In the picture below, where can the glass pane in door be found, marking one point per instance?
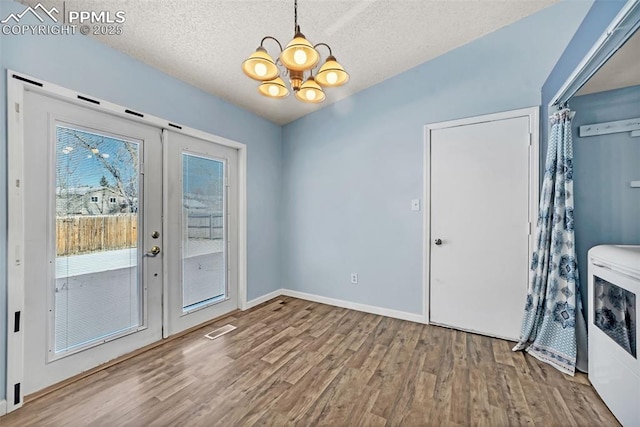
(97, 279)
(204, 278)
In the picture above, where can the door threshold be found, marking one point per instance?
(472, 331)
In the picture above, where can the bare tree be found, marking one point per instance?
(117, 164)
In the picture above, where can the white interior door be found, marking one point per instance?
(479, 229)
(201, 220)
(92, 293)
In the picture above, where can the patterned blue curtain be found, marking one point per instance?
(549, 323)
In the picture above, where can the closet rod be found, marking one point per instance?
(619, 31)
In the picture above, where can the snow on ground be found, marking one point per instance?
(76, 265)
(97, 294)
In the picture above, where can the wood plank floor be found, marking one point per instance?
(294, 362)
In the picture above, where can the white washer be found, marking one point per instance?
(614, 292)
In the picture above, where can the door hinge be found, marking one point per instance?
(529, 228)
(17, 183)
(16, 394)
(141, 168)
(16, 321)
(17, 108)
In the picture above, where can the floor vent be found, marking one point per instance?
(220, 332)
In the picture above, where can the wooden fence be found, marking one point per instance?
(205, 226)
(94, 233)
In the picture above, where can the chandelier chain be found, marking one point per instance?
(295, 16)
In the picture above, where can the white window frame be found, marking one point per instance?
(17, 85)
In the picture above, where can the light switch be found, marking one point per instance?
(415, 204)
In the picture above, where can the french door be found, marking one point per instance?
(101, 258)
(91, 208)
(200, 231)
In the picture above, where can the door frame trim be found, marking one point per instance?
(17, 85)
(533, 113)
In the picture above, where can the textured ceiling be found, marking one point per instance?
(621, 70)
(204, 42)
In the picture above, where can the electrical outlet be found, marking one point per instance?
(354, 277)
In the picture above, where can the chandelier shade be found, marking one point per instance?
(310, 91)
(274, 88)
(332, 74)
(260, 66)
(299, 54)
(297, 61)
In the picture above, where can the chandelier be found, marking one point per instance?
(298, 58)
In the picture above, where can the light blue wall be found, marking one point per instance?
(592, 27)
(83, 64)
(351, 169)
(607, 210)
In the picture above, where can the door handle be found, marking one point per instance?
(438, 242)
(155, 250)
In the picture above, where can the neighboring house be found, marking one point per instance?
(91, 201)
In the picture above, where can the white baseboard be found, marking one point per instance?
(3, 407)
(263, 298)
(402, 315)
